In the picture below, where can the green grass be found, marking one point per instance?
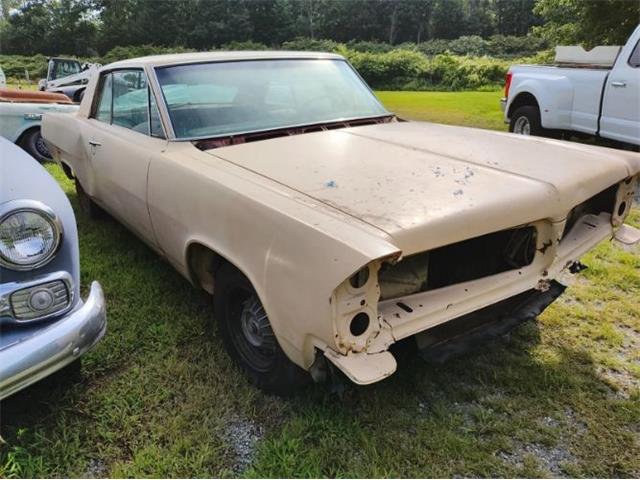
(159, 396)
(473, 109)
(23, 85)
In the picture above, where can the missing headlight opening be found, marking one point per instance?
(459, 262)
(360, 278)
(359, 324)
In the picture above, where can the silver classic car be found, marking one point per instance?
(44, 324)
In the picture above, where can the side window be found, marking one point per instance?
(634, 59)
(155, 123)
(130, 100)
(103, 108)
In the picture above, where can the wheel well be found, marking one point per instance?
(68, 171)
(203, 263)
(522, 100)
(26, 132)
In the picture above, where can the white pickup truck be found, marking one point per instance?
(584, 94)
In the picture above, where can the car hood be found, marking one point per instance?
(427, 185)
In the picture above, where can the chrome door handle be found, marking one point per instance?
(619, 84)
(93, 143)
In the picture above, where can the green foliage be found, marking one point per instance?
(587, 22)
(311, 45)
(14, 66)
(247, 45)
(410, 70)
(122, 53)
(89, 27)
(496, 45)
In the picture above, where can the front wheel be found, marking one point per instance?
(33, 143)
(247, 335)
(526, 121)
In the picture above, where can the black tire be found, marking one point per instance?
(87, 205)
(526, 121)
(33, 143)
(247, 335)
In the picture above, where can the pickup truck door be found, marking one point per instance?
(621, 103)
(120, 146)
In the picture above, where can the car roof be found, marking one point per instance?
(217, 56)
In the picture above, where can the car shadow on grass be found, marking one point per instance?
(160, 398)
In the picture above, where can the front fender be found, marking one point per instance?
(294, 251)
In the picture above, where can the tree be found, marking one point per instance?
(588, 22)
(50, 27)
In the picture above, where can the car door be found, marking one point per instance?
(120, 142)
(621, 104)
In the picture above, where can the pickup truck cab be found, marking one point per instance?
(583, 98)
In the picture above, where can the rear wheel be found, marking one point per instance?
(33, 143)
(526, 121)
(247, 335)
(87, 205)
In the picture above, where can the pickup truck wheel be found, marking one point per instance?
(33, 143)
(526, 121)
(247, 335)
(87, 205)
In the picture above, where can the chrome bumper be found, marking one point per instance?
(55, 346)
(503, 104)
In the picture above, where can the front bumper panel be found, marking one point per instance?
(55, 346)
(412, 314)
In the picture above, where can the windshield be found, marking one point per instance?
(64, 68)
(216, 99)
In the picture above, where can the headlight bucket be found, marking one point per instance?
(30, 234)
(624, 199)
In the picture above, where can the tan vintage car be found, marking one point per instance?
(326, 228)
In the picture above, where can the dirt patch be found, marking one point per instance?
(550, 459)
(96, 469)
(243, 435)
(621, 382)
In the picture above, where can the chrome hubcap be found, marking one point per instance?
(255, 325)
(522, 126)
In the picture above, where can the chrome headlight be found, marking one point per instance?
(30, 234)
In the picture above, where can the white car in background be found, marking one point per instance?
(21, 114)
(595, 93)
(3, 79)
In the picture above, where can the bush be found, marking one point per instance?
(497, 46)
(248, 45)
(388, 70)
(122, 53)
(15, 66)
(310, 44)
